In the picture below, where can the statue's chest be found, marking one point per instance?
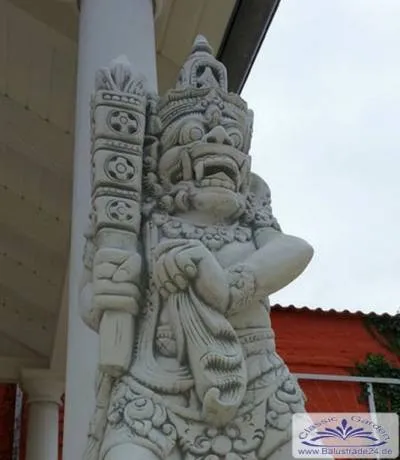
(229, 243)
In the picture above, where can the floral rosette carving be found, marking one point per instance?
(120, 168)
(123, 122)
(233, 442)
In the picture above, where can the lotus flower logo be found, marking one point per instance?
(345, 432)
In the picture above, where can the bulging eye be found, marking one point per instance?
(236, 137)
(191, 132)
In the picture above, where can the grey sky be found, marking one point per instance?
(325, 89)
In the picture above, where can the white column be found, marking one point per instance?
(44, 390)
(107, 29)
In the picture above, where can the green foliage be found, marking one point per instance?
(386, 329)
(387, 397)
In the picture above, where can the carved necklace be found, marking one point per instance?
(214, 237)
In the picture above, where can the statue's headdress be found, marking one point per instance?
(202, 88)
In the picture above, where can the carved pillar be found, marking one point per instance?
(107, 30)
(44, 391)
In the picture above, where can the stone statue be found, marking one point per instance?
(182, 253)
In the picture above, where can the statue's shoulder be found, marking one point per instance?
(258, 212)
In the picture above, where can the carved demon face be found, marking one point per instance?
(205, 155)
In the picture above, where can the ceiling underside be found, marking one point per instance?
(38, 49)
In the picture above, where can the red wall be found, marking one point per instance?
(318, 342)
(7, 406)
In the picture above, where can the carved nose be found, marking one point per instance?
(218, 135)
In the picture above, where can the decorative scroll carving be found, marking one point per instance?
(192, 372)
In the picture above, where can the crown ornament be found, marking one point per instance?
(201, 69)
(202, 89)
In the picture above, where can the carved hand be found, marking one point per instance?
(116, 273)
(183, 262)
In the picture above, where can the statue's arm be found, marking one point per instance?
(278, 260)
